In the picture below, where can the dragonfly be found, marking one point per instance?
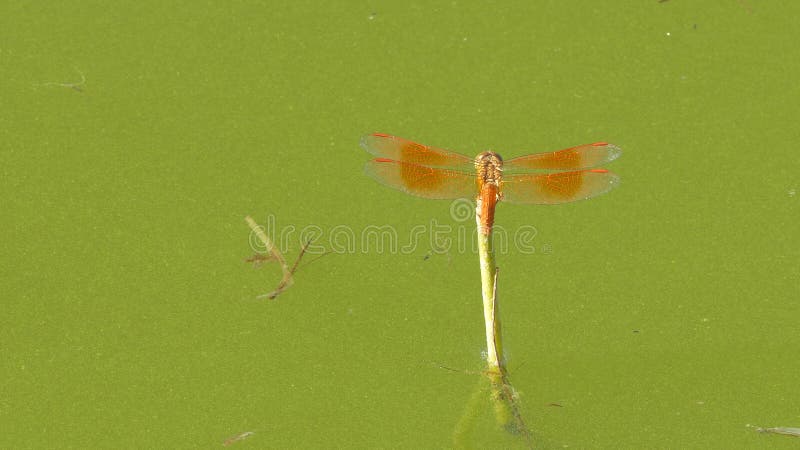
(548, 178)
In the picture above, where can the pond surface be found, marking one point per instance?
(135, 139)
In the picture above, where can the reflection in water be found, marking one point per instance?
(504, 401)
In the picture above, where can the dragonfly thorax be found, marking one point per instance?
(490, 167)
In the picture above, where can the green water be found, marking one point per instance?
(135, 138)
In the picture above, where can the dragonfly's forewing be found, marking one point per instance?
(399, 149)
(580, 157)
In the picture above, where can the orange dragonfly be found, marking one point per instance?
(541, 178)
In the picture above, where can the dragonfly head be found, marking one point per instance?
(489, 166)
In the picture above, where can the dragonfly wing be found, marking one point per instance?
(422, 181)
(399, 149)
(580, 157)
(554, 188)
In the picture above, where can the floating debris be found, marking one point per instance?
(237, 438)
(77, 86)
(788, 431)
(276, 255)
(259, 258)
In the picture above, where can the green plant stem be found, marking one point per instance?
(491, 312)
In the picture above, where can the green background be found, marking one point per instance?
(661, 315)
